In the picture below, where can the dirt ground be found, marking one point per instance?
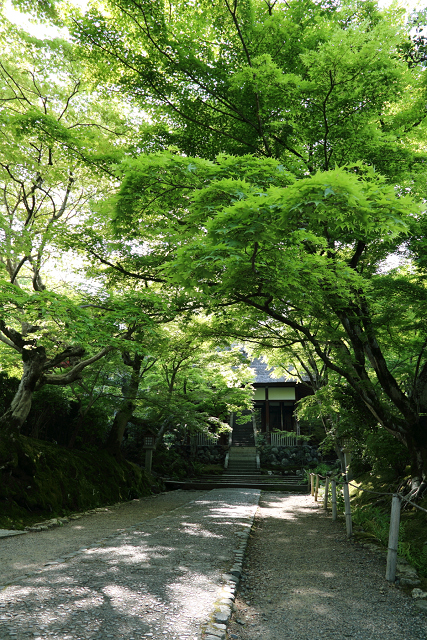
(303, 579)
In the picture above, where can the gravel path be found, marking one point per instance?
(153, 568)
(31, 551)
(303, 580)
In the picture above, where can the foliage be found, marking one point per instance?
(373, 520)
(36, 482)
(194, 384)
(310, 83)
(55, 414)
(323, 468)
(58, 142)
(304, 255)
(289, 144)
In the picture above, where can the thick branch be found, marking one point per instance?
(74, 373)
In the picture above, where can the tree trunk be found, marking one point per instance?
(115, 437)
(15, 416)
(164, 426)
(127, 407)
(416, 442)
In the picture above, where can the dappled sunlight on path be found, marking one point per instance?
(159, 579)
(303, 579)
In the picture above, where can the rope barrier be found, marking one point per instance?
(412, 503)
(397, 498)
(376, 493)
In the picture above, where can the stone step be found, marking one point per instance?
(267, 484)
(257, 476)
(243, 434)
(240, 451)
(243, 472)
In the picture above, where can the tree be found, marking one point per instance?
(190, 382)
(307, 254)
(139, 365)
(312, 83)
(302, 86)
(55, 134)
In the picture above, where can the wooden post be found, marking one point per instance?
(267, 418)
(325, 499)
(393, 539)
(317, 487)
(334, 499)
(348, 523)
(148, 459)
(312, 483)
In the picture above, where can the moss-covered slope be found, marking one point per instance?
(40, 479)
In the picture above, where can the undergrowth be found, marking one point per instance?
(41, 480)
(372, 514)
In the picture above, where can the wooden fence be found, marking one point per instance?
(277, 440)
(397, 498)
(202, 440)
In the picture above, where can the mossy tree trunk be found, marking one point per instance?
(127, 407)
(15, 416)
(37, 370)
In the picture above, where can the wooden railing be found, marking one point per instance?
(277, 440)
(202, 440)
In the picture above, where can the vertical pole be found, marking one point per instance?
(334, 499)
(267, 417)
(325, 499)
(312, 483)
(148, 459)
(348, 523)
(317, 487)
(393, 539)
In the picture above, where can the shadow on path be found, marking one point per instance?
(157, 579)
(304, 580)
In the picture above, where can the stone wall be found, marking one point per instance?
(213, 454)
(284, 457)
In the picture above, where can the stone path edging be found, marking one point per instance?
(56, 522)
(216, 629)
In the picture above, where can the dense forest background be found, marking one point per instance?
(182, 180)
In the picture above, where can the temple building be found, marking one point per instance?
(274, 401)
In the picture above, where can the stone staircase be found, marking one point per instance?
(242, 471)
(243, 434)
(291, 484)
(242, 461)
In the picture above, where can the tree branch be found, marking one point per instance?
(74, 373)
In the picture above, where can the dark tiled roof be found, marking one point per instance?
(264, 374)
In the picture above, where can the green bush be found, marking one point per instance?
(375, 521)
